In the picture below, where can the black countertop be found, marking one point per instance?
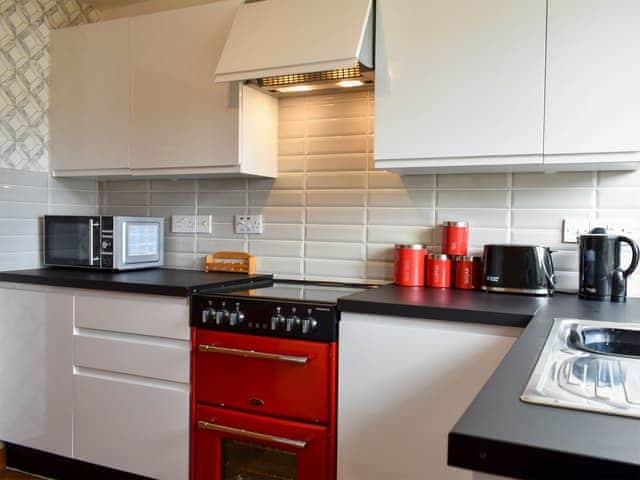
(502, 435)
(157, 281)
(444, 304)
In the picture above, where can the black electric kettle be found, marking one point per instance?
(601, 277)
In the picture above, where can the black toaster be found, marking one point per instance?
(524, 269)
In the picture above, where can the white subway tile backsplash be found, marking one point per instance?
(401, 198)
(330, 215)
(484, 180)
(553, 180)
(337, 198)
(472, 199)
(554, 198)
(336, 216)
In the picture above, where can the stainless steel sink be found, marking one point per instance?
(588, 365)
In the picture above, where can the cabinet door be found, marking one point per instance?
(90, 98)
(459, 82)
(593, 74)
(132, 424)
(404, 383)
(36, 392)
(180, 117)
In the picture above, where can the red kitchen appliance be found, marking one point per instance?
(264, 376)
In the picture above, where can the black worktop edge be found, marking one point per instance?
(132, 287)
(531, 463)
(455, 314)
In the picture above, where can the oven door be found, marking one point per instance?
(72, 241)
(266, 375)
(242, 446)
(138, 242)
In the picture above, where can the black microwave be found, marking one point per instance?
(103, 242)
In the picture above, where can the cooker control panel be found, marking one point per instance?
(274, 318)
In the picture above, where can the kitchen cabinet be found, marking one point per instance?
(131, 383)
(459, 84)
(36, 326)
(592, 95)
(403, 384)
(90, 100)
(97, 376)
(468, 86)
(172, 119)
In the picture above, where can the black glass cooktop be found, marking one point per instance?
(325, 292)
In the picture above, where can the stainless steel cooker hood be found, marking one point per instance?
(300, 45)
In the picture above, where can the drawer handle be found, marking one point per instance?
(237, 352)
(253, 435)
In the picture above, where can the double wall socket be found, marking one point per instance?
(572, 228)
(191, 224)
(249, 224)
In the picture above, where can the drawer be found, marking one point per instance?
(287, 378)
(138, 426)
(143, 356)
(152, 315)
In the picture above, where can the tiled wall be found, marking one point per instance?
(24, 197)
(330, 215)
(26, 192)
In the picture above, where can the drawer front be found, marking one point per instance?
(151, 315)
(138, 426)
(143, 356)
(287, 378)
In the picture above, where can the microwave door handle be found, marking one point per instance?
(91, 252)
(202, 425)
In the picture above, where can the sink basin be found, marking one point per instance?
(588, 365)
(606, 341)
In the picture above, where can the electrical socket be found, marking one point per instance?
(191, 224)
(572, 228)
(251, 224)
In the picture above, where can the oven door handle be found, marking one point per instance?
(237, 352)
(252, 435)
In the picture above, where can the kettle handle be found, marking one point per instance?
(635, 255)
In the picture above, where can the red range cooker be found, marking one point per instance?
(264, 368)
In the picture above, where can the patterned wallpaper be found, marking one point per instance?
(24, 68)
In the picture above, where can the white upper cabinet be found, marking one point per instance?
(90, 101)
(459, 83)
(164, 113)
(593, 81)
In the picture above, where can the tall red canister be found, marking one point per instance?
(410, 265)
(455, 238)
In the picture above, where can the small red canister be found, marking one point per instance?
(468, 273)
(455, 238)
(439, 271)
(410, 265)
(464, 273)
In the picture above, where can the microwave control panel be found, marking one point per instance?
(106, 242)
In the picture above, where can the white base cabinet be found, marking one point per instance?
(403, 384)
(36, 382)
(98, 376)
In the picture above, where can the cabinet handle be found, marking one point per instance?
(237, 352)
(249, 434)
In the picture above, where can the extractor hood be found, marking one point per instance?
(299, 45)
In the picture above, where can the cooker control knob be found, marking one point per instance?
(208, 314)
(222, 315)
(277, 319)
(309, 323)
(292, 321)
(236, 317)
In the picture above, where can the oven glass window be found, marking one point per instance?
(252, 461)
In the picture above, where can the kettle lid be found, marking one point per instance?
(598, 232)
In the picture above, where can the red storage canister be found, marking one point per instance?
(439, 271)
(455, 238)
(410, 265)
(464, 273)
